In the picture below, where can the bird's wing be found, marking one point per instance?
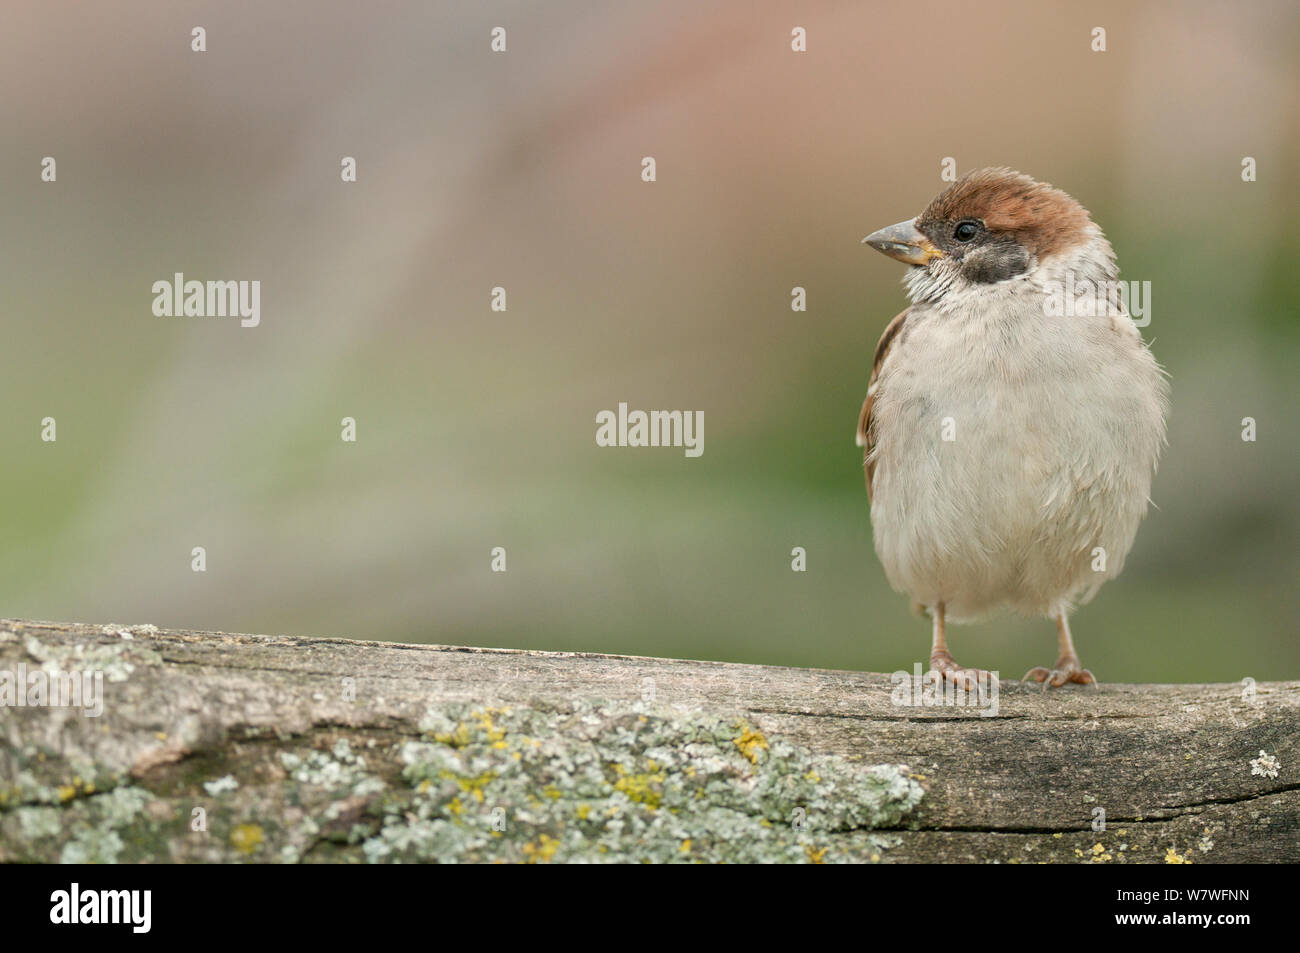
(866, 429)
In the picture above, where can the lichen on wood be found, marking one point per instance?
(223, 748)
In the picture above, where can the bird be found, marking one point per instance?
(1012, 427)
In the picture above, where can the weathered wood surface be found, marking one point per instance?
(298, 749)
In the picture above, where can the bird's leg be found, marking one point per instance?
(1067, 667)
(944, 667)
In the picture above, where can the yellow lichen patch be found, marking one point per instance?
(472, 786)
(1173, 857)
(686, 847)
(645, 788)
(815, 856)
(485, 721)
(750, 742)
(1100, 855)
(67, 792)
(455, 806)
(812, 776)
(552, 792)
(542, 851)
(584, 810)
(456, 739)
(246, 838)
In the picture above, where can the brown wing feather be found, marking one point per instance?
(866, 430)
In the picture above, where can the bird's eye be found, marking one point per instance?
(965, 231)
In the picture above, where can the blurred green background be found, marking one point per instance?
(476, 428)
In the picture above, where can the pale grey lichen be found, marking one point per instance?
(116, 661)
(335, 769)
(221, 785)
(121, 805)
(1265, 766)
(92, 846)
(38, 822)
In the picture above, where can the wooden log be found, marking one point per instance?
(218, 747)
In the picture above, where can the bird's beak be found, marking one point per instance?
(905, 242)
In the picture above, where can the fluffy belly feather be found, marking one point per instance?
(1030, 499)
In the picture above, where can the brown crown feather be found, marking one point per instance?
(1043, 219)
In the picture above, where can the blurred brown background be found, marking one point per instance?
(476, 428)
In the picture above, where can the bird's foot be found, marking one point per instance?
(944, 668)
(1067, 669)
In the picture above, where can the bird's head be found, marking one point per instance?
(990, 226)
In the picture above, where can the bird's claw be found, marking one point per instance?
(1067, 669)
(943, 668)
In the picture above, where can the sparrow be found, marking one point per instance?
(1010, 437)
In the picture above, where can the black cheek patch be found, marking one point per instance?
(994, 262)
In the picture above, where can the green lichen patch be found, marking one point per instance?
(105, 827)
(628, 783)
(42, 776)
(593, 783)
